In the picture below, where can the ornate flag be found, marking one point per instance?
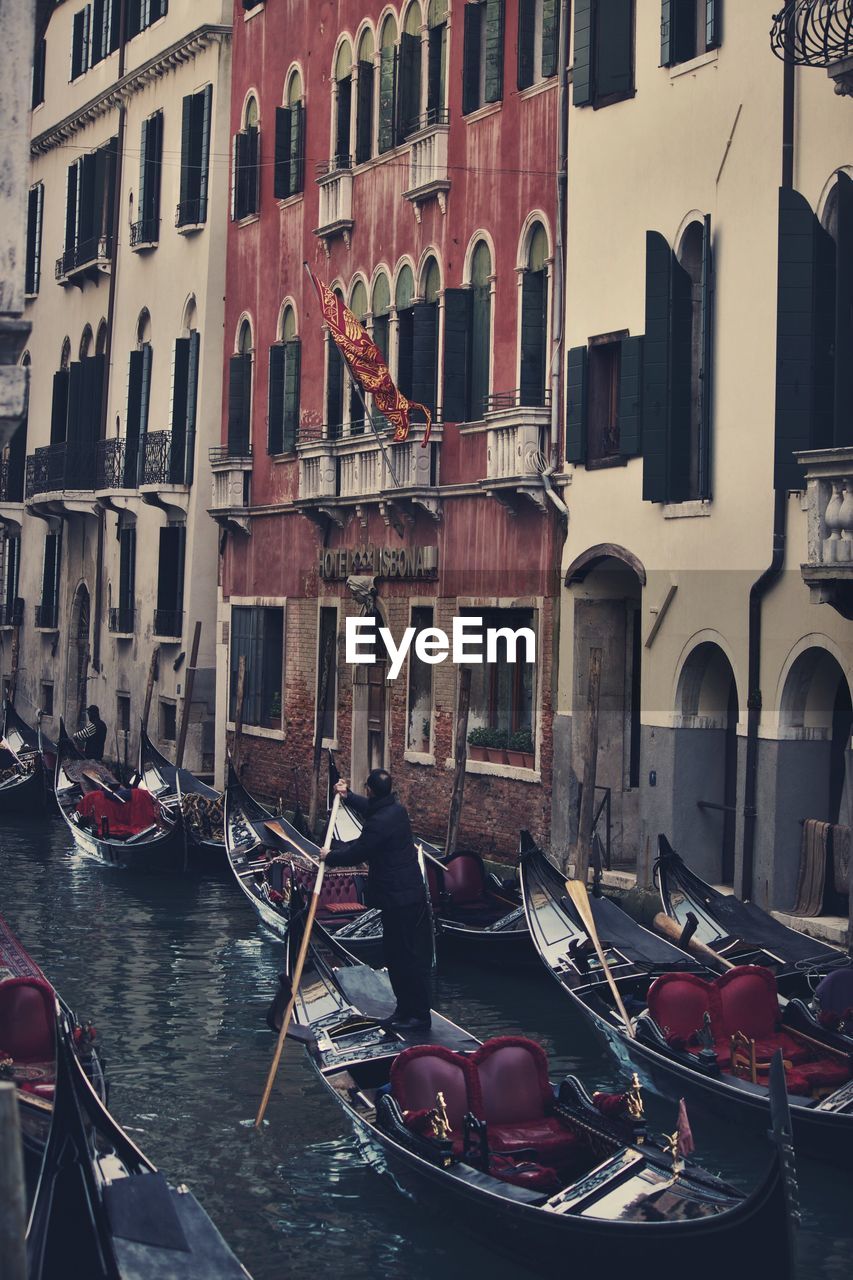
(686, 1145)
(367, 364)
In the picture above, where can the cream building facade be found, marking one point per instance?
(709, 339)
(109, 553)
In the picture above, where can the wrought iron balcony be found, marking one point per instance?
(110, 465)
(47, 615)
(191, 214)
(817, 33)
(12, 614)
(121, 620)
(168, 622)
(163, 463)
(145, 234)
(87, 257)
(56, 468)
(12, 478)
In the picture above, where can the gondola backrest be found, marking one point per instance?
(678, 1003)
(465, 878)
(749, 1002)
(513, 1079)
(420, 1073)
(27, 1019)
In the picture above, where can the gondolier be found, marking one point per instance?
(396, 887)
(92, 740)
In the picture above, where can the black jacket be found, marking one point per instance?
(386, 845)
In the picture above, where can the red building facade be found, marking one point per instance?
(409, 156)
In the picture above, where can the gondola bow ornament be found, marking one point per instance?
(367, 365)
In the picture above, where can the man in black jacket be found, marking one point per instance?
(395, 885)
(92, 740)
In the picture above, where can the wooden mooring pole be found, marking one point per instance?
(188, 696)
(460, 756)
(237, 747)
(583, 849)
(149, 688)
(13, 1201)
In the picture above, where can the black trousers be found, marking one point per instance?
(407, 947)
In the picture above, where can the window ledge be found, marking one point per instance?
(481, 113)
(603, 464)
(541, 86)
(509, 771)
(471, 428)
(298, 196)
(250, 218)
(686, 68)
(144, 246)
(30, 297)
(48, 631)
(188, 228)
(419, 757)
(249, 14)
(687, 510)
(291, 456)
(258, 731)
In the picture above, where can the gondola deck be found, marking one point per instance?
(26, 776)
(201, 806)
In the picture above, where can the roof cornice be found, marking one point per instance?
(183, 50)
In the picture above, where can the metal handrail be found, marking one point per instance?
(814, 33)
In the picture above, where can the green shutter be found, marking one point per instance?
(297, 147)
(576, 404)
(275, 404)
(534, 329)
(678, 482)
(582, 88)
(292, 369)
(471, 58)
(405, 333)
(526, 24)
(494, 50)
(186, 154)
(824, 363)
(457, 354)
(435, 72)
(666, 33)
(281, 165)
(143, 171)
(132, 421)
(713, 24)
(364, 119)
(481, 351)
(631, 396)
(239, 405)
(614, 51)
(334, 390)
(59, 407)
(205, 101)
(843, 426)
(707, 369)
(343, 160)
(425, 353)
(550, 37)
(180, 386)
(794, 336)
(656, 367)
(409, 97)
(387, 86)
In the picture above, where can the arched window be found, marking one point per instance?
(481, 330)
(65, 357)
(534, 318)
(245, 191)
(240, 394)
(86, 341)
(409, 78)
(691, 318)
(388, 85)
(437, 62)
(334, 386)
(138, 402)
(403, 298)
(101, 340)
(343, 106)
(380, 308)
(289, 175)
(358, 306)
(284, 387)
(538, 28)
(364, 112)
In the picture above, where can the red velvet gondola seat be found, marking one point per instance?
(339, 894)
(27, 1020)
(465, 882)
(420, 1073)
(517, 1100)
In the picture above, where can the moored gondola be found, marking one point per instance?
(477, 1131)
(266, 853)
(201, 806)
(120, 827)
(707, 1038)
(24, 756)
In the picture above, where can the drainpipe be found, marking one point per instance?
(560, 231)
(108, 352)
(762, 584)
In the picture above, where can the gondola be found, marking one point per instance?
(718, 1060)
(201, 806)
(477, 1131)
(126, 827)
(266, 853)
(25, 758)
(739, 931)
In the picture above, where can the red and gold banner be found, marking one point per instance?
(367, 364)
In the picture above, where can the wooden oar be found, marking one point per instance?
(673, 930)
(300, 963)
(580, 897)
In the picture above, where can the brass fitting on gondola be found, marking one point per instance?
(672, 1148)
(440, 1124)
(634, 1098)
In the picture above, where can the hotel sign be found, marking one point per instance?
(380, 562)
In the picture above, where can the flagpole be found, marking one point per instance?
(357, 385)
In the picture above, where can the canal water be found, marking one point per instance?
(176, 976)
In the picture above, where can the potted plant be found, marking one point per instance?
(520, 749)
(496, 746)
(477, 743)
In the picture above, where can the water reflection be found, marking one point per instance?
(176, 977)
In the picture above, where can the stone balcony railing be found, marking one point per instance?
(335, 183)
(514, 461)
(829, 521)
(428, 170)
(232, 486)
(358, 470)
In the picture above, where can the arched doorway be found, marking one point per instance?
(705, 764)
(77, 670)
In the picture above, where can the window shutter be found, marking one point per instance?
(114, 24)
(533, 334)
(186, 156)
(435, 66)
(387, 86)
(154, 164)
(334, 390)
(471, 58)
(239, 404)
(342, 126)
(410, 84)
(180, 404)
(713, 24)
(59, 407)
(143, 170)
(843, 427)
(494, 50)
(425, 353)
(794, 336)
(235, 175)
(75, 402)
(281, 170)
(678, 486)
(192, 403)
(87, 37)
(576, 405)
(39, 73)
(99, 12)
(297, 147)
(127, 568)
(614, 50)
(666, 33)
(526, 25)
(71, 206)
(550, 37)
(364, 121)
(134, 18)
(707, 373)
(457, 353)
(77, 45)
(34, 217)
(292, 367)
(630, 410)
(656, 367)
(253, 170)
(50, 572)
(145, 395)
(275, 406)
(582, 67)
(405, 331)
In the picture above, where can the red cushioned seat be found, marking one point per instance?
(27, 1019)
(748, 1003)
(465, 880)
(678, 1003)
(342, 908)
(516, 1098)
(418, 1074)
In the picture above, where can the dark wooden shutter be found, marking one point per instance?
(143, 170)
(134, 18)
(713, 24)
(526, 30)
(409, 96)
(236, 162)
(678, 486)
(494, 49)
(114, 24)
(342, 124)
(75, 402)
(96, 367)
(186, 190)
(133, 429)
(656, 367)
(34, 208)
(239, 404)
(614, 50)
(292, 368)
(457, 354)
(86, 205)
(794, 336)
(843, 426)
(435, 60)
(180, 385)
(253, 169)
(39, 73)
(127, 570)
(71, 186)
(98, 32)
(481, 350)
(550, 37)
(50, 576)
(387, 87)
(630, 419)
(576, 404)
(666, 33)
(334, 390)
(582, 86)
(364, 122)
(192, 404)
(59, 407)
(297, 147)
(824, 363)
(275, 404)
(205, 102)
(707, 370)
(471, 58)
(145, 391)
(77, 30)
(425, 354)
(405, 333)
(533, 333)
(281, 170)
